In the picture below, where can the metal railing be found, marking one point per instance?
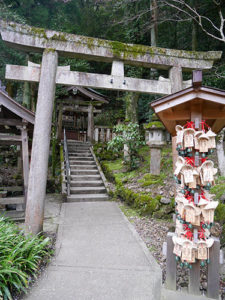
(67, 162)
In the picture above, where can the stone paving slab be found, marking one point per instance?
(179, 295)
(99, 255)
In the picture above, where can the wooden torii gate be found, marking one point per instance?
(53, 44)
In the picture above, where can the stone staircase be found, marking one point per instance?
(86, 183)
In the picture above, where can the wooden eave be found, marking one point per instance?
(15, 109)
(89, 93)
(176, 108)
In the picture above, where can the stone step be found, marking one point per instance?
(83, 167)
(80, 183)
(82, 158)
(82, 154)
(87, 198)
(84, 172)
(87, 190)
(78, 147)
(83, 162)
(85, 177)
(74, 155)
(79, 152)
(78, 143)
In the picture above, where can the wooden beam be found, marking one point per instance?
(111, 82)
(185, 115)
(11, 122)
(31, 39)
(177, 115)
(16, 108)
(11, 200)
(90, 123)
(10, 138)
(80, 109)
(219, 123)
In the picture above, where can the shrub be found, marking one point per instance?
(20, 258)
(127, 135)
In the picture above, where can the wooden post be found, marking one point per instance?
(19, 158)
(41, 140)
(107, 134)
(102, 135)
(194, 275)
(96, 134)
(194, 279)
(213, 270)
(155, 159)
(90, 123)
(60, 122)
(25, 154)
(171, 264)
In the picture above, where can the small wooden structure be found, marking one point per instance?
(16, 126)
(201, 102)
(76, 112)
(195, 104)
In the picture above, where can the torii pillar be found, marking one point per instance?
(41, 141)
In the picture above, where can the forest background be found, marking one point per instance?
(193, 25)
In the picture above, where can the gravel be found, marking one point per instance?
(153, 232)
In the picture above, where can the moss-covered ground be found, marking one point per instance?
(142, 191)
(138, 188)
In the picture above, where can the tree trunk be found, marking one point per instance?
(131, 100)
(194, 31)
(154, 19)
(220, 153)
(153, 24)
(33, 97)
(26, 95)
(26, 91)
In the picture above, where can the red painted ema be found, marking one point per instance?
(193, 116)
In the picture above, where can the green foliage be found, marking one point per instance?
(219, 188)
(149, 179)
(220, 213)
(103, 153)
(127, 135)
(155, 124)
(20, 258)
(145, 204)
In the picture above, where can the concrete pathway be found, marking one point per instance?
(99, 256)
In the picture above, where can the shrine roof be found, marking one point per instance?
(11, 109)
(177, 108)
(195, 92)
(89, 93)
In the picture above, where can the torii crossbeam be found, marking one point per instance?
(53, 43)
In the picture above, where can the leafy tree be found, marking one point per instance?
(128, 135)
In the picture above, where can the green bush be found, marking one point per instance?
(102, 153)
(20, 258)
(127, 135)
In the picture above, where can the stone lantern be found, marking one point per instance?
(156, 139)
